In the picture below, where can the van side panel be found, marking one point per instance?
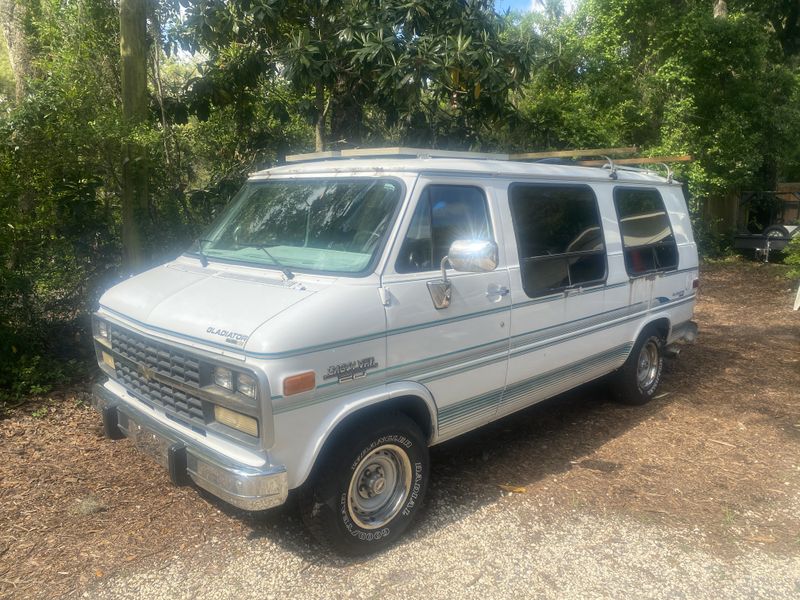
(561, 340)
(664, 294)
(459, 352)
(564, 340)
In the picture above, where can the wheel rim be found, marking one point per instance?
(647, 365)
(380, 484)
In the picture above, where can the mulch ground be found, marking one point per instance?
(717, 451)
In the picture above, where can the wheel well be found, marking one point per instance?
(413, 407)
(661, 326)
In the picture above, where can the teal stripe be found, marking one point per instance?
(427, 375)
(528, 337)
(471, 408)
(227, 347)
(353, 340)
(560, 295)
(522, 389)
(451, 372)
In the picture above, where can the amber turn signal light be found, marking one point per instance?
(302, 382)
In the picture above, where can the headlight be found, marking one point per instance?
(223, 378)
(102, 329)
(236, 420)
(246, 385)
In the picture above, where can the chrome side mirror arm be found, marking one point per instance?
(441, 291)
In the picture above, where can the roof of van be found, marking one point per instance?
(483, 167)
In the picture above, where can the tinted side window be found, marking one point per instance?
(647, 239)
(559, 236)
(444, 214)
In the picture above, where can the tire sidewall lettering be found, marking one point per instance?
(416, 487)
(397, 439)
(411, 503)
(354, 530)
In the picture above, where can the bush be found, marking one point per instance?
(710, 242)
(792, 258)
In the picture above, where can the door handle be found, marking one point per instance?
(497, 290)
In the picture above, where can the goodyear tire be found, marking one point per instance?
(370, 488)
(637, 380)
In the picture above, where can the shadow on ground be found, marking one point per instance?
(521, 449)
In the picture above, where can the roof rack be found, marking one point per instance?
(401, 151)
(575, 157)
(397, 151)
(625, 164)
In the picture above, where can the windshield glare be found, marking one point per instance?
(327, 225)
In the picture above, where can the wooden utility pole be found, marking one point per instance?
(133, 51)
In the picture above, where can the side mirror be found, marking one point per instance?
(471, 256)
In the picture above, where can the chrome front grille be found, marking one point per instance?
(166, 361)
(158, 357)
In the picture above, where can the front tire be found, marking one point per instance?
(370, 488)
(637, 380)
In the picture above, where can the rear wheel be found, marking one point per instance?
(370, 488)
(637, 380)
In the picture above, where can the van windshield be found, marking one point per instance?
(318, 225)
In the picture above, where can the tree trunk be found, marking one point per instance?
(133, 51)
(720, 9)
(14, 21)
(319, 126)
(347, 116)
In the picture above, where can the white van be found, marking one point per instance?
(345, 314)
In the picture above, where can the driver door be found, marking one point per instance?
(460, 352)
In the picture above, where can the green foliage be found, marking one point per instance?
(61, 152)
(234, 86)
(35, 375)
(437, 72)
(792, 258)
(6, 74)
(711, 241)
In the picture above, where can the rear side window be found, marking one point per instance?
(559, 237)
(444, 214)
(647, 239)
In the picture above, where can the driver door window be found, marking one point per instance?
(444, 214)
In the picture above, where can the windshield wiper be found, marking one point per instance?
(284, 269)
(203, 257)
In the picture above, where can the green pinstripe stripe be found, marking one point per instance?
(450, 367)
(466, 409)
(522, 389)
(471, 408)
(530, 337)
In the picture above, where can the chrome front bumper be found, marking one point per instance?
(240, 485)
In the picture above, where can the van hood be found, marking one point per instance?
(212, 306)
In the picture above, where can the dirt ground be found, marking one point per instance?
(717, 453)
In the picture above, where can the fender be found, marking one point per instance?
(661, 315)
(349, 406)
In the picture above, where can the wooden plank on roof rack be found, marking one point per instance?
(421, 152)
(313, 156)
(396, 151)
(651, 160)
(574, 153)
